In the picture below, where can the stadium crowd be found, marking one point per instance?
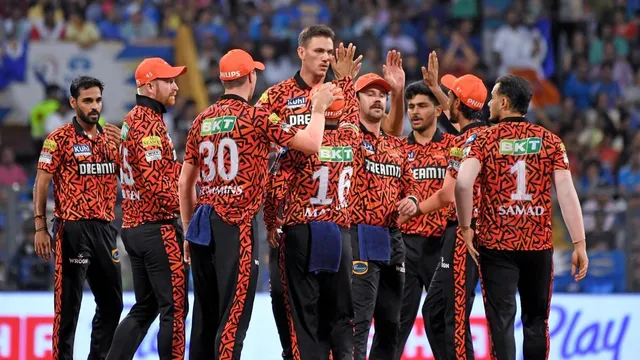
(582, 56)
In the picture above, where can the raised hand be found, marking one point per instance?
(113, 133)
(430, 73)
(343, 64)
(392, 71)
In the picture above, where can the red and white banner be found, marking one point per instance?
(596, 327)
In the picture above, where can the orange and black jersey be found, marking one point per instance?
(518, 160)
(468, 133)
(319, 184)
(150, 170)
(230, 142)
(428, 164)
(382, 177)
(290, 100)
(84, 172)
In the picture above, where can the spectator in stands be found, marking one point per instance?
(599, 238)
(110, 24)
(138, 28)
(605, 84)
(461, 55)
(83, 32)
(28, 271)
(17, 25)
(277, 66)
(60, 117)
(40, 8)
(577, 86)
(576, 49)
(50, 27)
(595, 177)
(632, 93)
(629, 177)
(40, 112)
(395, 39)
(517, 47)
(11, 173)
(606, 34)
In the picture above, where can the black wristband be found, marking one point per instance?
(413, 198)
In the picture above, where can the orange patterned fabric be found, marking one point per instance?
(84, 173)
(150, 170)
(518, 160)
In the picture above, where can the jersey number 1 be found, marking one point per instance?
(226, 143)
(520, 169)
(343, 185)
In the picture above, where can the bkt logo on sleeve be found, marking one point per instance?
(296, 102)
(81, 150)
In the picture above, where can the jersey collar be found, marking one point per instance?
(474, 124)
(150, 103)
(80, 131)
(437, 137)
(514, 119)
(232, 97)
(366, 131)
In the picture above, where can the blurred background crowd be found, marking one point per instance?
(582, 57)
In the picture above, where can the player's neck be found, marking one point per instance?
(510, 114)
(238, 92)
(373, 127)
(463, 122)
(425, 136)
(310, 78)
(90, 129)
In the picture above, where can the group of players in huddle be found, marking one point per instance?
(360, 220)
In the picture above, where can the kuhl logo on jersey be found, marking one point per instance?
(336, 154)
(81, 150)
(526, 146)
(222, 124)
(296, 102)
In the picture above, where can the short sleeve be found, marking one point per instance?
(559, 157)
(274, 129)
(192, 152)
(455, 157)
(52, 152)
(473, 148)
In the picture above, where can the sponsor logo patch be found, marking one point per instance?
(222, 124)
(411, 155)
(153, 155)
(81, 150)
(296, 102)
(471, 139)
(124, 131)
(526, 146)
(151, 141)
(115, 255)
(274, 119)
(360, 267)
(368, 146)
(335, 154)
(45, 158)
(50, 145)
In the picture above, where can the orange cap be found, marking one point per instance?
(468, 88)
(156, 68)
(372, 79)
(236, 64)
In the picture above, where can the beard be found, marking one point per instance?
(86, 117)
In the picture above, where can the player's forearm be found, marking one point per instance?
(571, 209)
(309, 139)
(393, 122)
(40, 191)
(464, 201)
(187, 192)
(442, 98)
(435, 202)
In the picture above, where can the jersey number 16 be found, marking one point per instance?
(344, 184)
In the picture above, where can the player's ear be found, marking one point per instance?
(301, 52)
(72, 102)
(438, 110)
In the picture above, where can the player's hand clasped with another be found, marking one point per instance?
(324, 97)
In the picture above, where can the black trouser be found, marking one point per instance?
(320, 305)
(531, 274)
(277, 301)
(377, 294)
(449, 299)
(422, 257)
(160, 281)
(225, 277)
(85, 249)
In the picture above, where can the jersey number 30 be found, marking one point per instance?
(344, 184)
(226, 144)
